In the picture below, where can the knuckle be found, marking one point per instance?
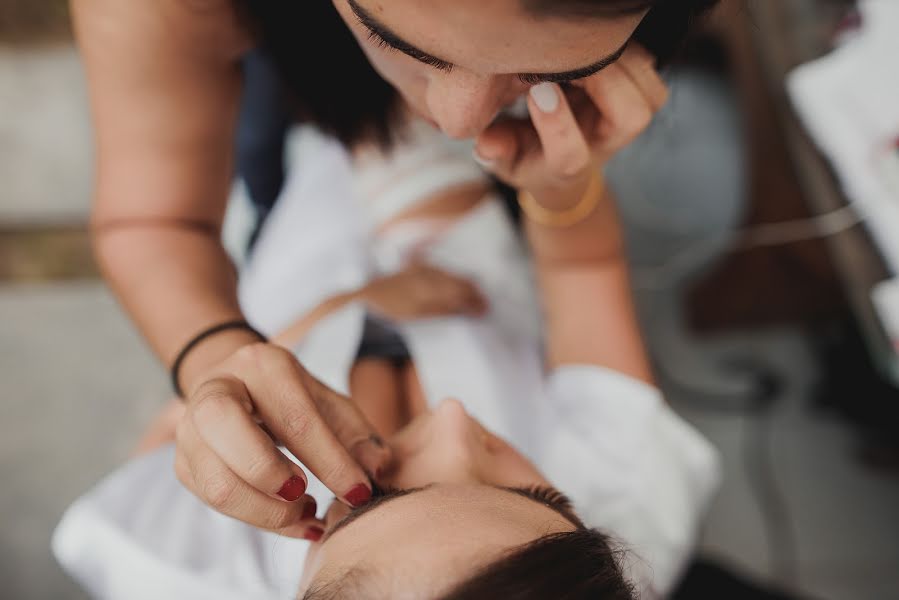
(337, 471)
(219, 490)
(262, 467)
(211, 403)
(298, 425)
(282, 361)
(278, 516)
(252, 353)
(572, 163)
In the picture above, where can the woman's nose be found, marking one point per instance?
(463, 103)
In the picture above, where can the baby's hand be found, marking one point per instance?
(421, 291)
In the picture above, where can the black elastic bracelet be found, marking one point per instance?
(176, 366)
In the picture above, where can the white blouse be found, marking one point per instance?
(631, 466)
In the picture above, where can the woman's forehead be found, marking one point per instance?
(500, 36)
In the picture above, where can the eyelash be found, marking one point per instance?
(378, 40)
(547, 495)
(378, 491)
(375, 38)
(541, 493)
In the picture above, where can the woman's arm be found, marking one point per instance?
(571, 134)
(164, 84)
(586, 295)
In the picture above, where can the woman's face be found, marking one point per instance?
(458, 62)
(462, 511)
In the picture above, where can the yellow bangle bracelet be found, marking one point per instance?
(568, 217)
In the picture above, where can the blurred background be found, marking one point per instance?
(762, 210)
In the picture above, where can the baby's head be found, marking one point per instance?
(465, 516)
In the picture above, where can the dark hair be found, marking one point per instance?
(573, 565)
(334, 86)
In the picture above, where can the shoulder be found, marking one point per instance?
(210, 28)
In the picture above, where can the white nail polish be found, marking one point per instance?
(484, 162)
(545, 97)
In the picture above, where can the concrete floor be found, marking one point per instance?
(843, 517)
(45, 138)
(77, 384)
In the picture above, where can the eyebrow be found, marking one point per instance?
(382, 500)
(388, 37)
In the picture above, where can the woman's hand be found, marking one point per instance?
(421, 291)
(227, 457)
(574, 130)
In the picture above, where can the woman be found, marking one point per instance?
(164, 88)
(467, 513)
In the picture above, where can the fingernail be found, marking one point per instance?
(293, 489)
(358, 496)
(545, 97)
(308, 511)
(314, 534)
(484, 162)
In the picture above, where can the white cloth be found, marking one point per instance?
(424, 163)
(631, 466)
(849, 102)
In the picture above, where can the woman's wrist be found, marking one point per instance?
(211, 352)
(562, 198)
(555, 207)
(596, 238)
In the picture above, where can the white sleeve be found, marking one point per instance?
(139, 534)
(632, 467)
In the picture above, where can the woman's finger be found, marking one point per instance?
(218, 414)
(565, 148)
(209, 478)
(502, 148)
(351, 428)
(300, 415)
(640, 65)
(624, 111)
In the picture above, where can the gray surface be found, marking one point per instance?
(45, 139)
(845, 517)
(77, 386)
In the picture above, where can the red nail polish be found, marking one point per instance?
(358, 496)
(293, 489)
(314, 534)
(309, 511)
